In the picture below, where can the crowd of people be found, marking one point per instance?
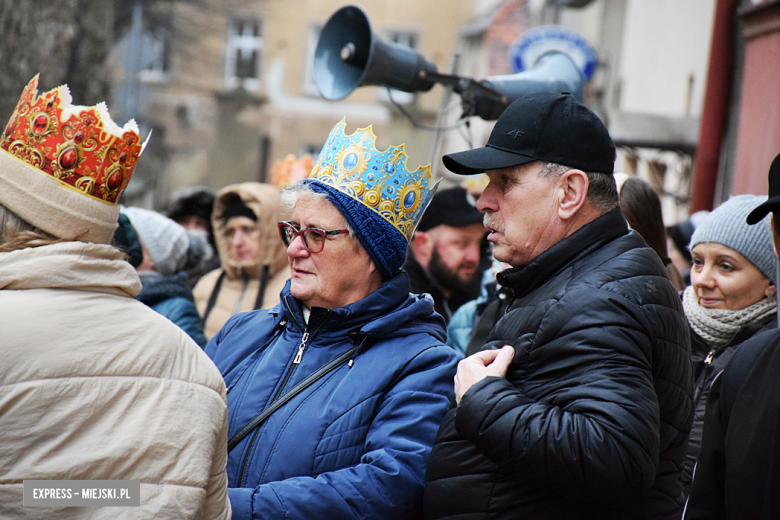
(361, 344)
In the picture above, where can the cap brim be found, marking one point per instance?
(758, 214)
(478, 160)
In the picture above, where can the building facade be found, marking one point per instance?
(648, 84)
(228, 89)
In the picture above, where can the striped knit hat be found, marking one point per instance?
(727, 226)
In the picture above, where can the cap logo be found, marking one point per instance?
(514, 134)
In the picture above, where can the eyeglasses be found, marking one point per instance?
(313, 238)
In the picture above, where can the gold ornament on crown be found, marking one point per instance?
(378, 180)
(77, 146)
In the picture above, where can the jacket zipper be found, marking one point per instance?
(237, 307)
(299, 355)
(295, 363)
(711, 355)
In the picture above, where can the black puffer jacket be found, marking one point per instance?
(738, 472)
(707, 364)
(593, 416)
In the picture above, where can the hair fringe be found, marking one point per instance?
(16, 240)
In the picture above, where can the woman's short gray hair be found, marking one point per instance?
(292, 195)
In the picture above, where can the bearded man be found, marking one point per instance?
(445, 256)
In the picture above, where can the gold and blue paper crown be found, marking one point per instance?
(378, 180)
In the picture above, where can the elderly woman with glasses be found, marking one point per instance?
(335, 395)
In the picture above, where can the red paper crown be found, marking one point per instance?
(81, 147)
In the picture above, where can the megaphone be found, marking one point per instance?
(350, 55)
(552, 72)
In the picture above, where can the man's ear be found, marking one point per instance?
(422, 247)
(572, 191)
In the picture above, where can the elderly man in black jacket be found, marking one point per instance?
(585, 411)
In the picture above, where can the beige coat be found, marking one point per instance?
(238, 292)
(95, 385)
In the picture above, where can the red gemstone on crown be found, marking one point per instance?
(68, 158)
(114, 179)
(40, 124)
(79, 137)
(122, 158)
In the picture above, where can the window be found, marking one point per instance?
(404, 39)
(409, 40)
(155, 49)
(244, 45)
(311, 46)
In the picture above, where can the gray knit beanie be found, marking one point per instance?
(164, 240)
(726, 225)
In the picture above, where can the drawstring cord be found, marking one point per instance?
(355, 338)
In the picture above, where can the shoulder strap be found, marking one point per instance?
(297, 389)
(263, 284)
(213, 297)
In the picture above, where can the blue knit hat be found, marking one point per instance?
(727, 225)
(385, 245)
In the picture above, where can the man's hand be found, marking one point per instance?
(481, 365)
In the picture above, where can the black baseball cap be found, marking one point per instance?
(541, 127)
(773, 202)
(455, 207)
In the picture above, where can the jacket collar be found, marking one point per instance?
(69, 265)
(579, 244)
(390, 311)
(391, 294)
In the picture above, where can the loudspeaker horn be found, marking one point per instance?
(350, 55)
(552, 72)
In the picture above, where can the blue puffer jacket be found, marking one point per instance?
(355, 443)
(171, 296)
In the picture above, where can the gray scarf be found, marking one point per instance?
(719, 326)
